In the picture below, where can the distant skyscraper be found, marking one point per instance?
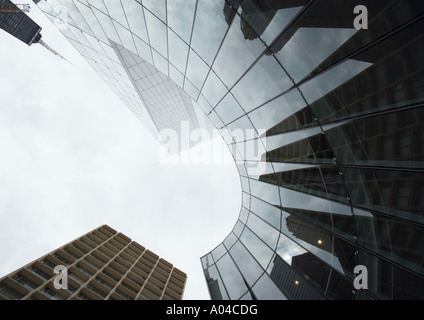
(337, 111)
(18, 24)
(101, 265)
(14, 21)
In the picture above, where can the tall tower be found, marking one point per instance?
(15, 22)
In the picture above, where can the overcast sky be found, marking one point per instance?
(73, 157)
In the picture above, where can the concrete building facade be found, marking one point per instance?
(100, 265)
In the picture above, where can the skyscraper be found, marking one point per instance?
(100, 265)
(335, 114)
(15, 22)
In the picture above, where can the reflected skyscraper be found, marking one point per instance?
(338, 112)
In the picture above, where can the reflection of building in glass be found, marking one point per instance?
(309, 233)
(290, 281)
(341, 111)
(213, 286)
(100, 265)
(214, 289)
(256, 15)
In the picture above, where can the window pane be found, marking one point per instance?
(231, 276)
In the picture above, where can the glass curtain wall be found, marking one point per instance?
(324, 121)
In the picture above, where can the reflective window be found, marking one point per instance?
(176, 76)
(157, 7)
(293, 285)
(321, 181)
(384, 85)
(160, 62)
(339, 287)
(244, 213)
(263, 230)
(341, 223)
(71, 14)
(216, 287)
(209, 29)
(266, 19)
(401, 242)
(231, 276)
(91, 20)
(272, 113)
(218, 252)
(230, 240)
(247, 296)
(287, 249)
(197, 69)
(80, 36)
(393, 140)
(392, 192)
(214, 90)
(242, 129)
(246, 263)
(238, 228)
(115, 11)
(264, 81)
(236, 55)
(256, 247)
(98, 4)
(266, 289)
(229, 109)
(265, 191)
(252, 150)
(245, 199)
(314, 149)
(180, 17)
(107, 26)
(323, 18)
(245, 184)
(207, 260)
(126, 37)
(178, 51)
(389, 281)
(268, 212)
(135, 16)
(309, 46)
(299, 120)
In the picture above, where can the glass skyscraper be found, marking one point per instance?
(324, 121)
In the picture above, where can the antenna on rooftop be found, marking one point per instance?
(45, 45)
(14, 21)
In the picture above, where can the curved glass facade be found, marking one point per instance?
(325, 123)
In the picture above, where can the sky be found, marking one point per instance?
(73, 157)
